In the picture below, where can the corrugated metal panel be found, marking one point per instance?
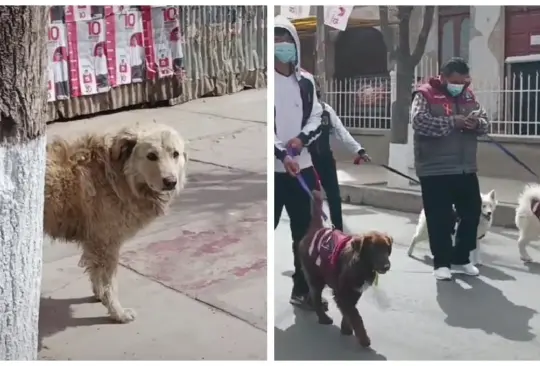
(224, 52)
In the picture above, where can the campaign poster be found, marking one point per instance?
(88, 46)
(162, 25)
(58, 65)
(130, 53)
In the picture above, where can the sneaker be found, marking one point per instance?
(304, 302)
(468, 269)
(442, 274)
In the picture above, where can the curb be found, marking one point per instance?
(410, 201)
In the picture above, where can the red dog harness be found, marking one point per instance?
(325, 248)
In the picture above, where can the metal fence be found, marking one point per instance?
(365, 102)
(224, 51)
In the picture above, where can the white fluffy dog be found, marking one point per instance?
(527, 219)
(489, 203)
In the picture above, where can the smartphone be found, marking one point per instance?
(474, 114)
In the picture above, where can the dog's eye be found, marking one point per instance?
(152, 157)
(175, 154)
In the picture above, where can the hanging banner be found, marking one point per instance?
(163, 41)
(89, 43)
(337, 16)
(130, 53)
(57, 57)
(295, 12)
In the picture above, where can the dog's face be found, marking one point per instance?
(377, 247)
(489, 204)
(155, 157)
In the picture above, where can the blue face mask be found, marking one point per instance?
(285, 52)
(454, 89)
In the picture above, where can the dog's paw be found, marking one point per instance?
(526, 258)
(364, 341)
(125, 316)
(325, 319)
(410, 253)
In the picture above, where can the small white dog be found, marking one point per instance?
(489, 203)
(527, 219)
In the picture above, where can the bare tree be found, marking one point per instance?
(23, 104)
(406, 62)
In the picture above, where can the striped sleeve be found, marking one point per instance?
(424, 123)
(483, 121)
(280, 151)
(312, 129)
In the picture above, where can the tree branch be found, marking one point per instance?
(387, 32)
(429, 11)
(404, 46)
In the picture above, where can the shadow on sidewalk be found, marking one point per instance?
(55, 315)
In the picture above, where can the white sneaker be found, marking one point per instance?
(442, 274)
(468, 269)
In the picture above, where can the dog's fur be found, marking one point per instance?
(356, 267)
(527, 219)
(489, 204)
(100, 190)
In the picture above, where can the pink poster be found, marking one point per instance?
(58, 65)
(90, 42)
(130, 53)
(164, 41)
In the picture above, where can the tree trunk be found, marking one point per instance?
(23, 103)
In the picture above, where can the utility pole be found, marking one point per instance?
(320, 49)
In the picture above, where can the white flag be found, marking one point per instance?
(337, 16)
(295, 12)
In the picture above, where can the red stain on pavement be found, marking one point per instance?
(216, 245)
(242, 271)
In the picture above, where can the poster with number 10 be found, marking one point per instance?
(164, 40)
(58, 66)
(88, 47)
(130, 54)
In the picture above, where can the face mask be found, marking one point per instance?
(454, 89)
(285, 52)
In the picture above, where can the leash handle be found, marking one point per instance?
(304, 185)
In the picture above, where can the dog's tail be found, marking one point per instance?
(317, 208)
(530, 195)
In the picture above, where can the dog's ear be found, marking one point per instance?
(122, 146)
(491, 195)
(359, 242)
(390, 242)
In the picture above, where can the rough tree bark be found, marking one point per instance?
(406, 62)
(23, 102)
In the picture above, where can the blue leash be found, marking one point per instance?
(511, 155)
(304, 185)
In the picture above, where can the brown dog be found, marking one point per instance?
(347, 264)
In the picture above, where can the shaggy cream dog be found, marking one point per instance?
(100, 190)
(528, 219)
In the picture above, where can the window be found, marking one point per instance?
(454, 30)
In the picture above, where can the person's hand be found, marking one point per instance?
(472, 123)
(362, 157)
(460, 122)
(295, 144)
(291, 166)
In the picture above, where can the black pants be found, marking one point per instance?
(325, 165)
(439, 193)
(288, 193)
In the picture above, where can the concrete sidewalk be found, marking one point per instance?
(366, 185)
(196, 277)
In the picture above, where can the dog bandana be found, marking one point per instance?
(325, 247)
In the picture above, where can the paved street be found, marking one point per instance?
(411, 316)
(196, 277)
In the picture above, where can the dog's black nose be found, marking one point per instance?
(387, 266)
(169, 183)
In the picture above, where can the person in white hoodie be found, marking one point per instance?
(323, 158)
(297, 123)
